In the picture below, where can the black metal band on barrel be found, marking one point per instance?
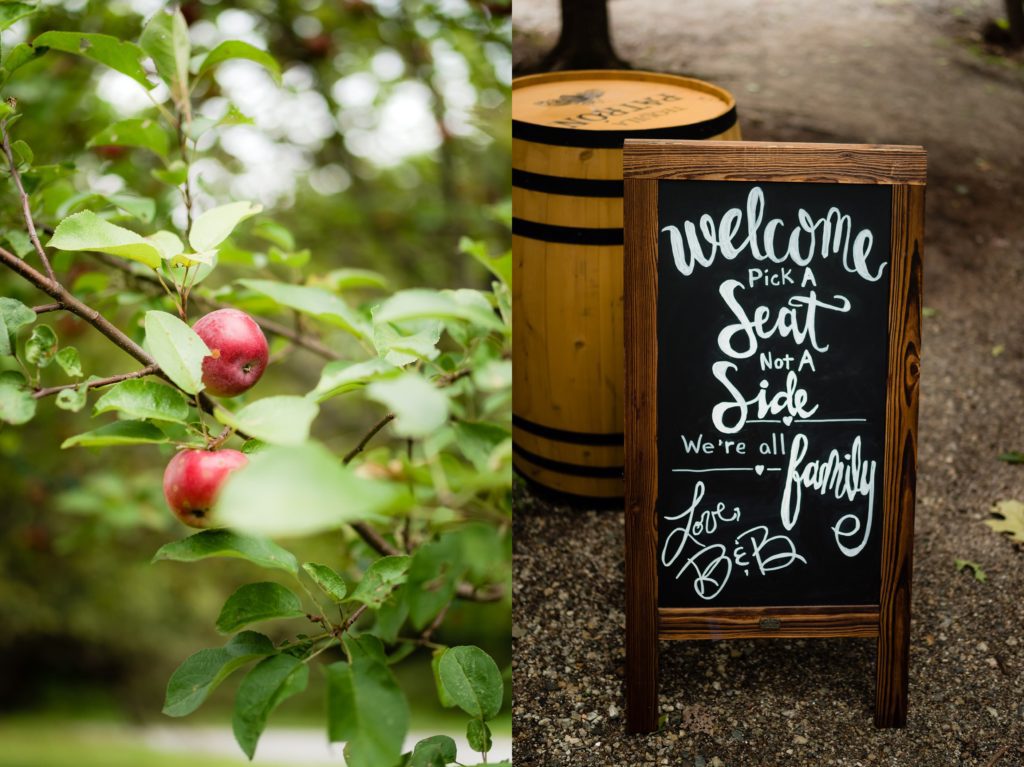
(572, 235)
(609, 439)
(572, 187)
(572, 469)
(602, 139)
(553, 495)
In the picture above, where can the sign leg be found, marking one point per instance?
(641, 627)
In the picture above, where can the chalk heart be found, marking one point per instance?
(787, 419)
(759, 469)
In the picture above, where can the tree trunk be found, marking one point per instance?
(585, 41)
(1015, 16)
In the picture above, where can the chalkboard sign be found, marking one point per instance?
(773, 334)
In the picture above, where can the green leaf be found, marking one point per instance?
(14, 315)
(21, 243)
(416, 341)
(41, 347)
(464, 304)
(974, 567)
(224, 543)
(76, 398)
(174, 175)
(87, 231)
(165, 39)
(271, 231)
(436, 751)
(302, 490)
(479, 736)
(177, 350)
(167, 243)
(11, 12)
(201, 673)
(119, 433)
(420, 408)
(332, 584)
(265, 687)
(125, 57)
(366, 707)
(348, 279)
(17, 405)
(479, 440)
(136, 132)
(435, 664)
(216, 225)
(380, 579)
(144, 399)
(236, 49)
(473, 680)
(24, 154)
(433, 575)
(1012, 456)
(282, 420)
(69, 362)
(20, 55)
(342, 376)
(500, 266)
(1009, 519)
(314, 301)
(256, 602)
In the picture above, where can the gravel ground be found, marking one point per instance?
(901, 74)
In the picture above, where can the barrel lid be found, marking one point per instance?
(601, 108)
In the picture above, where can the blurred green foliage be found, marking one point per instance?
(386, 144)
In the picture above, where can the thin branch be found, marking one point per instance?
(221, 438)
(366, 438)
(449, 378)
(376, 541)
(55, 290)
(997, 756)
(350, 621)
(270, 326)
(146, 371)
(44, 308)
(26, 206)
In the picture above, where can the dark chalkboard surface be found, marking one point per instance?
(772, 357)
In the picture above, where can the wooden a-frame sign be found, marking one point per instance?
(773, 317)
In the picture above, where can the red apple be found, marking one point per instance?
(238, 351)
(192, 480)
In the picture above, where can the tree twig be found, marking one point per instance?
(26, 206)
(270, 326)
(146, 371)
(44, 308)
(366, 438)
(55, 290)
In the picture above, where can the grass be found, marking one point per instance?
(47, 743)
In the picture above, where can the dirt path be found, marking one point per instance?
(883, 71)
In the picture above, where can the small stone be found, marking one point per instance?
(800, 740)
(982, 646)
(613, 711)
(700, 761)
(716, 762)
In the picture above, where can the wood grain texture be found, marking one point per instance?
(767, 622)
(641, 432)
(900, 454)
(769, 161)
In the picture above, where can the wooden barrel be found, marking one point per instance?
(568, 353)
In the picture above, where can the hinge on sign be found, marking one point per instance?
(770, 624)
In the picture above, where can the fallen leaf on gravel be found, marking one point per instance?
(1009, 519)
(928, 312)
(1012, 456)
(974, 567)
(998, 349)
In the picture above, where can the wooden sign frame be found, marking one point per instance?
(646, 162)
